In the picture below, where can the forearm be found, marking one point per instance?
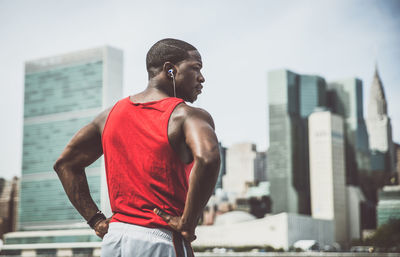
(76, 187)
(201, 186)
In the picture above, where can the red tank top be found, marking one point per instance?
(143, 171)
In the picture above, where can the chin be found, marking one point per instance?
(190, 99)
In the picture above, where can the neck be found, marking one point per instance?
(155, 91)
(160, 87)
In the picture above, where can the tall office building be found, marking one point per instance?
(291, 98)
(242, 164)
(312, 94)
(284, 140)
(327, 171)
(379, 128)
(62, 94)
(346, 99)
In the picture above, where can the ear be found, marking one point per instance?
(167, 67)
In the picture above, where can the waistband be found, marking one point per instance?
(131, 228)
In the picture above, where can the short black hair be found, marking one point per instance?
(166, 50)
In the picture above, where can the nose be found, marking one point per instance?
(201, 78)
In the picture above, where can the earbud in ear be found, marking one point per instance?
(171, 73)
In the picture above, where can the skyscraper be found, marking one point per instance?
(291, 98)
(380, 128)
(62, 94)
(327, 171)
(312, 94)
(346, 99)
(284, 140)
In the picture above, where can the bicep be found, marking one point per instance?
(84, 148)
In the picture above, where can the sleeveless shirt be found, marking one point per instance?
(143, 171)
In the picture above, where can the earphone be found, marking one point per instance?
(171, 74)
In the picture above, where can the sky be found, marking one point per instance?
(240, 41)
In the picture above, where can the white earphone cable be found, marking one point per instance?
(173, 81)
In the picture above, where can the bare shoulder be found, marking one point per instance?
(100, 120)
(188, 113)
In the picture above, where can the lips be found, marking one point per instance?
(199, 88)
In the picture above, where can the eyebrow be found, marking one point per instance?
(199, 63)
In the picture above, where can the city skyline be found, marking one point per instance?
(334, 39)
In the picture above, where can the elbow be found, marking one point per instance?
(210, 161)
(58, 165)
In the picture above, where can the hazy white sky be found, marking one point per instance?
(240, 41)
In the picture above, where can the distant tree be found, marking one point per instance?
(387, 236)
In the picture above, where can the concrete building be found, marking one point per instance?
(380, 128)
(244, 168)
(388, 204)
(355, 200)
(62, 94)
(9, 197)
(327, 171)
(291, 98)
(237, 229)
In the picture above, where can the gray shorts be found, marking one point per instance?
(127, 240)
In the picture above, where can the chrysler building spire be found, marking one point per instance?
(378, 123)
(377, 106)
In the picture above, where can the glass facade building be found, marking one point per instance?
(346, 99)
(284, 125)
(389, 204)
(62, 94)
(312, 94)
(292, 98)
(284, 121)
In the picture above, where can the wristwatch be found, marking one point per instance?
(96, 218)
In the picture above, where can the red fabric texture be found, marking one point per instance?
(143, 171)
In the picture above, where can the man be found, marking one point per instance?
(151, 142)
